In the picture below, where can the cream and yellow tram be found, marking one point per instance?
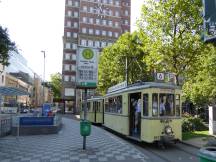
(148, 112)
(94, 110)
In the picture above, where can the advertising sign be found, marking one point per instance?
(87, 68)
(209, 20)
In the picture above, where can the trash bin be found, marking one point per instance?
(85, 128)
(207, 154)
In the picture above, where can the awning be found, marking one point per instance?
(12, 91)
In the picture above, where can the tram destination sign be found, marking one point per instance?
(209, 16)
(87, 68)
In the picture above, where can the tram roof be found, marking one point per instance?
(145, 85)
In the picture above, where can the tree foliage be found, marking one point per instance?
(6, 45)
(112, 65)
(173, 27)
(56, 84)
(200, 88)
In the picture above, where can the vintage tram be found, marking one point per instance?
(145, 111)
(95, 110)
(148, 112)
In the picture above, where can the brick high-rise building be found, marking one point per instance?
(92, 24)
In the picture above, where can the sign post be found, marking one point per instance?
(86, 78)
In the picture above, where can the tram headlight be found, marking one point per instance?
(168, 130)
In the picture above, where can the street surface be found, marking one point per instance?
(66, 146)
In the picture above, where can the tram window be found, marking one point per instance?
(145, 104)
(114, 104)
(155, 104)
(88, 106)
(166, 105)
(98, 106)
(177, 104)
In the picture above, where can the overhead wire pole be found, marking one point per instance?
(44, 75)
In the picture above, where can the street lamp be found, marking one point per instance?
(44, 74)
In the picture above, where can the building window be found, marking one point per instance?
(126, 22)
(67, 56)
(116, 34)
(110, 23)
(74, 46)
(91, 31)
(97, 44)
(70, 2)
(117, 2)
(109, 43)
(110, 12)
(68, 24)
(73, 79)
(75, 25)
(73, 57)
(98, 21)
(92, 9)
(116, 24)
(104, 22)
(83, 42)
(104, 33)
(69, 92)
(75, 35)
(73, 68)
(91, 20)
(84, 19)
(77, 4)
(66, 78)
(83, 30)
(68, 46)
(68, 34)
(117, 13)
(90, 43)
(97, 32)
(126, 12)
(69, 13)
(105, 1)
(76, 14)
(110, 33)
(85, 8)
(66, 67)
(125, 30)
(103, 44)
(110, 1)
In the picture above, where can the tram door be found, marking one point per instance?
(135, 114)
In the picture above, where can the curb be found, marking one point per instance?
(185, 143)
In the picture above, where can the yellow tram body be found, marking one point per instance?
(155, 122)
(94, 110)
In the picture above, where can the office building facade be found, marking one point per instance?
(89, 24)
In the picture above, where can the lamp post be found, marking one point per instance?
(44, 74)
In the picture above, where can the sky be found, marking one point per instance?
(37, 25)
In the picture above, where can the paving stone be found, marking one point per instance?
(66, 146)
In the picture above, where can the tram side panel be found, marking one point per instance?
(119, 120)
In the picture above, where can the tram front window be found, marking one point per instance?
(166, 105)
(155, 104)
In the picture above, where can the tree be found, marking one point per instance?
(6, 45)
(56, 84)
(200, 88)
(112, 64)
(174, 29)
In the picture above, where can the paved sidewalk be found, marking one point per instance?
(66, 146)
(198, 142)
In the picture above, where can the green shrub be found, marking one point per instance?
(193, 124)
